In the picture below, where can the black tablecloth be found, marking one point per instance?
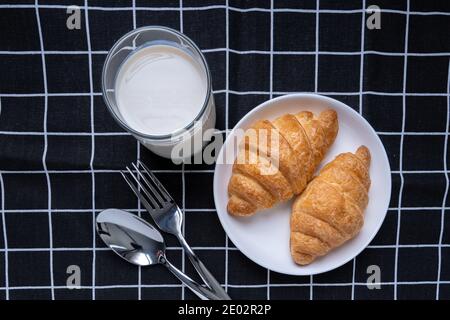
(61, 151)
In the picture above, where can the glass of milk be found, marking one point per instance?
(157, 86)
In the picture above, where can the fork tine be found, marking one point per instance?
(136, 191)
(163, 190)
(151, 198)
(148, 184)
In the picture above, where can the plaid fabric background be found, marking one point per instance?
(60, 150)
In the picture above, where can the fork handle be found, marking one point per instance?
(201, 292)
(204, 273)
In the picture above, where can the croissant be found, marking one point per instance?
(330, 210)
(303, 139)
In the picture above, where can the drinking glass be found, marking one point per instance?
(184, 138)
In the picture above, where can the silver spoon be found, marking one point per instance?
(138, 242)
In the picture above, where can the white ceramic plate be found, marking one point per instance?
(264, 237)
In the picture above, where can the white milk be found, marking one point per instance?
(160, 89)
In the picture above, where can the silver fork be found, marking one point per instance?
(167, 216)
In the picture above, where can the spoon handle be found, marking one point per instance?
(201, 292)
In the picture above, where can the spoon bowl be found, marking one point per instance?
(131, 237)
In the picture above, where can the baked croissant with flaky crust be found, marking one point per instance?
(259, 182)
(330, 210)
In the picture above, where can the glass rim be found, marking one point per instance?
(121, 122)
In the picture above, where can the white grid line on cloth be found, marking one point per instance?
(444, 199)
(44, 153)
(316, 52)
(344, 93)
(424, 133)
(91, 164)
(339, 93)
(402, 180)
(183, 185)
(245, 52)
(37, 133)
(361, 83)
(361, 63)
(181, 8)
(213, 7)
(272, 285)
(183, 226)
(5, 237)
(227, 99)
(97, 210)
(56, 249)
(227, 65)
